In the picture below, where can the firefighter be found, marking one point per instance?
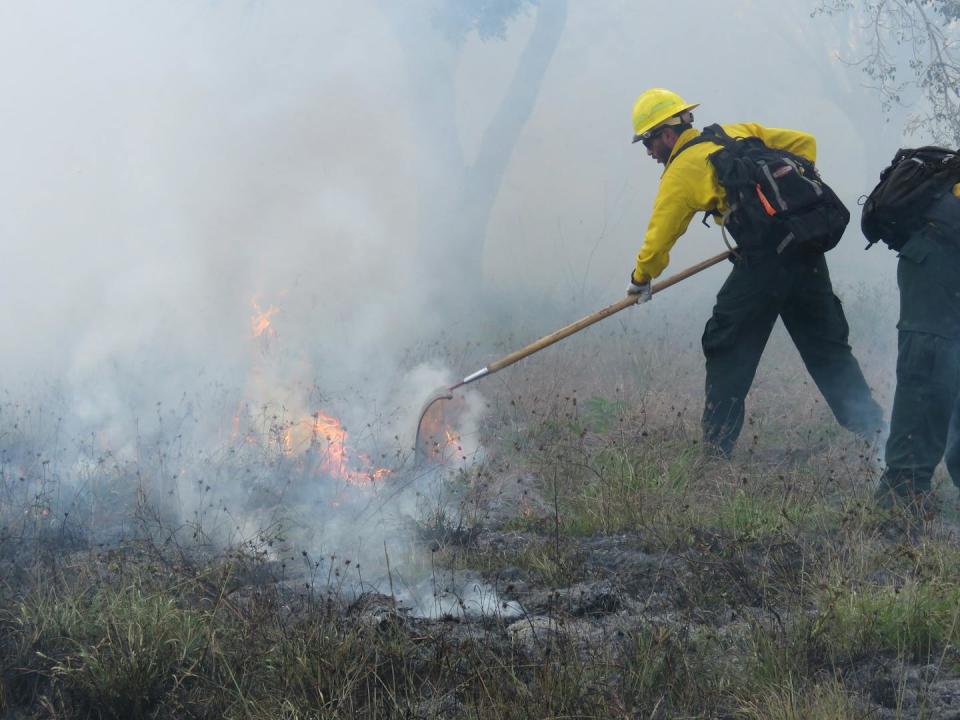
(762, 286)
(925, 423)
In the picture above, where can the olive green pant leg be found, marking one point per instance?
(733, 342)
(924, 402)
(814, 317)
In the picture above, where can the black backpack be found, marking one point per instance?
(777, 199)
(907, 188)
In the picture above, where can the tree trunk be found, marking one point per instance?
(455, 199)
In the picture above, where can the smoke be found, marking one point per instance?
(174, 168)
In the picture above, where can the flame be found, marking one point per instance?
(439, 442)
(325, 435)
(260, 321)
(319, 441)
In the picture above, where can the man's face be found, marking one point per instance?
(660, 144)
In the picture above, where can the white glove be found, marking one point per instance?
(643, 291)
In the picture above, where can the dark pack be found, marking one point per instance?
(907, 188)
(777, 199)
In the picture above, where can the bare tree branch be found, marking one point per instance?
(918, 36)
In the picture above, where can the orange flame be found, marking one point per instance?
(260, 321)
(327, 437)
(438, 441)
(320, 435)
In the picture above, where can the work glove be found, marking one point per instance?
(643, 291)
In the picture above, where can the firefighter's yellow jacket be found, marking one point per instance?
(689, 186)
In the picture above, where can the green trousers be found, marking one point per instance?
(757, 292)
(925, 423)
(928, 391)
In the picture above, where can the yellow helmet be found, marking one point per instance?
(654, 107)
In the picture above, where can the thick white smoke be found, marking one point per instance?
(170, 164)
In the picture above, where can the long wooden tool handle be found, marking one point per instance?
(579, 325)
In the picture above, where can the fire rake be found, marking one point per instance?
(446, 393)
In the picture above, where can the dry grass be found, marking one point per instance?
(766, 587)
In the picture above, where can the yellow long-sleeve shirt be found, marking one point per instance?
(689, 186)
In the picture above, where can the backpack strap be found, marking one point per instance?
(717, 135)
(712, 134)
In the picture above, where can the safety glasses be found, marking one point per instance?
(648, 137)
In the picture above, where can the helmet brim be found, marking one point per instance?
(658, 121)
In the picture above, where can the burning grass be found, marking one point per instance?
(628, 574)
